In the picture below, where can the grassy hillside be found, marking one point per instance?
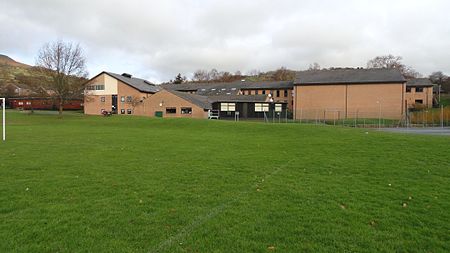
(131, 184)
(16, 73)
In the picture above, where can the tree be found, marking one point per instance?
(135, 101)
(393, 62)
(283, 74)
(200, 76)
(314, 66)
(438, 77)
(65, 63)
(179, 79)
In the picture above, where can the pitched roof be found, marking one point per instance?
(238, 98)
(201, 101)
(348, 76)
(137, 83)
(231, 87)
(206, 102)
(424, 82)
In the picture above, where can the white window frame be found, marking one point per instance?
(261, 107)
(278, 107)
(227, 107)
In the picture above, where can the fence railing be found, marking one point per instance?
(431, 117)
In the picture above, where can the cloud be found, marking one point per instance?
(159, 39)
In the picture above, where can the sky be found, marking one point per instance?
(156, 40)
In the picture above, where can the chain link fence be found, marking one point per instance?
(431, 117)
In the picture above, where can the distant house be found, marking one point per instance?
(349, 93)
(419, 93)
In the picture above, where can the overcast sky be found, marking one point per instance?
(158, 39)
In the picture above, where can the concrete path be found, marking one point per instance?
(429, 130)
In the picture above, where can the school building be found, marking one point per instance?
(318, 94)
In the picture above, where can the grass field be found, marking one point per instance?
(133, 184)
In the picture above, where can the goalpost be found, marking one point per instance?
(3, 104)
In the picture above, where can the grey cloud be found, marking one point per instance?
(158, 39)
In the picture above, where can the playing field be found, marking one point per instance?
(133, 184)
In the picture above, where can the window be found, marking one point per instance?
(278, 107)
(227, 107)
(256, 92)
(102, 99)
(278, 93)
(419, 101)
(285, 93)
(96, 87)
(122, 111)
(171, 110)
(264, 92)
(129, 98)
(419, 89)
(408, 89)
(28, 103)
(20, 103)
(122, 99)
(186, 110)
(261, 107)
(128, 111)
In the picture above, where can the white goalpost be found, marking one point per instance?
(3, 104)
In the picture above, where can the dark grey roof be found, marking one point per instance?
(424, 82)
(238, 98)
(348, 76)
(137, 83)
(230, 88)
(201, 101)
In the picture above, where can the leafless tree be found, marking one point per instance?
(393, 62)
(283, 74)
(438, 77)
(314, 66)
(135, 101)
(200, 76)
(254, 72)
(65, 63)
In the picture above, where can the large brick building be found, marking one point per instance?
(316, 94)
(349, 93)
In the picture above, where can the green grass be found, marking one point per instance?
(445, 100)
(134, 184)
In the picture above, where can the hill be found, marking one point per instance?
(16, 77)
(6, 60)
(137, 184)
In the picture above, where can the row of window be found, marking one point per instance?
(173, 110)
(27, 103)
(96, 87)
(122, 99)
(418, 89)
(259, 107)
(263, 92)
(122, 111)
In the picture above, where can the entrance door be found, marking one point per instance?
(114, 104)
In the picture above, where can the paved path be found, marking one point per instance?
(430, 130)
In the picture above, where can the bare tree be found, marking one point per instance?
(135, 101)
(438, 77)
(200, 76)
(65, 63)
(393, 62)
(314, 66)
(283, 74)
